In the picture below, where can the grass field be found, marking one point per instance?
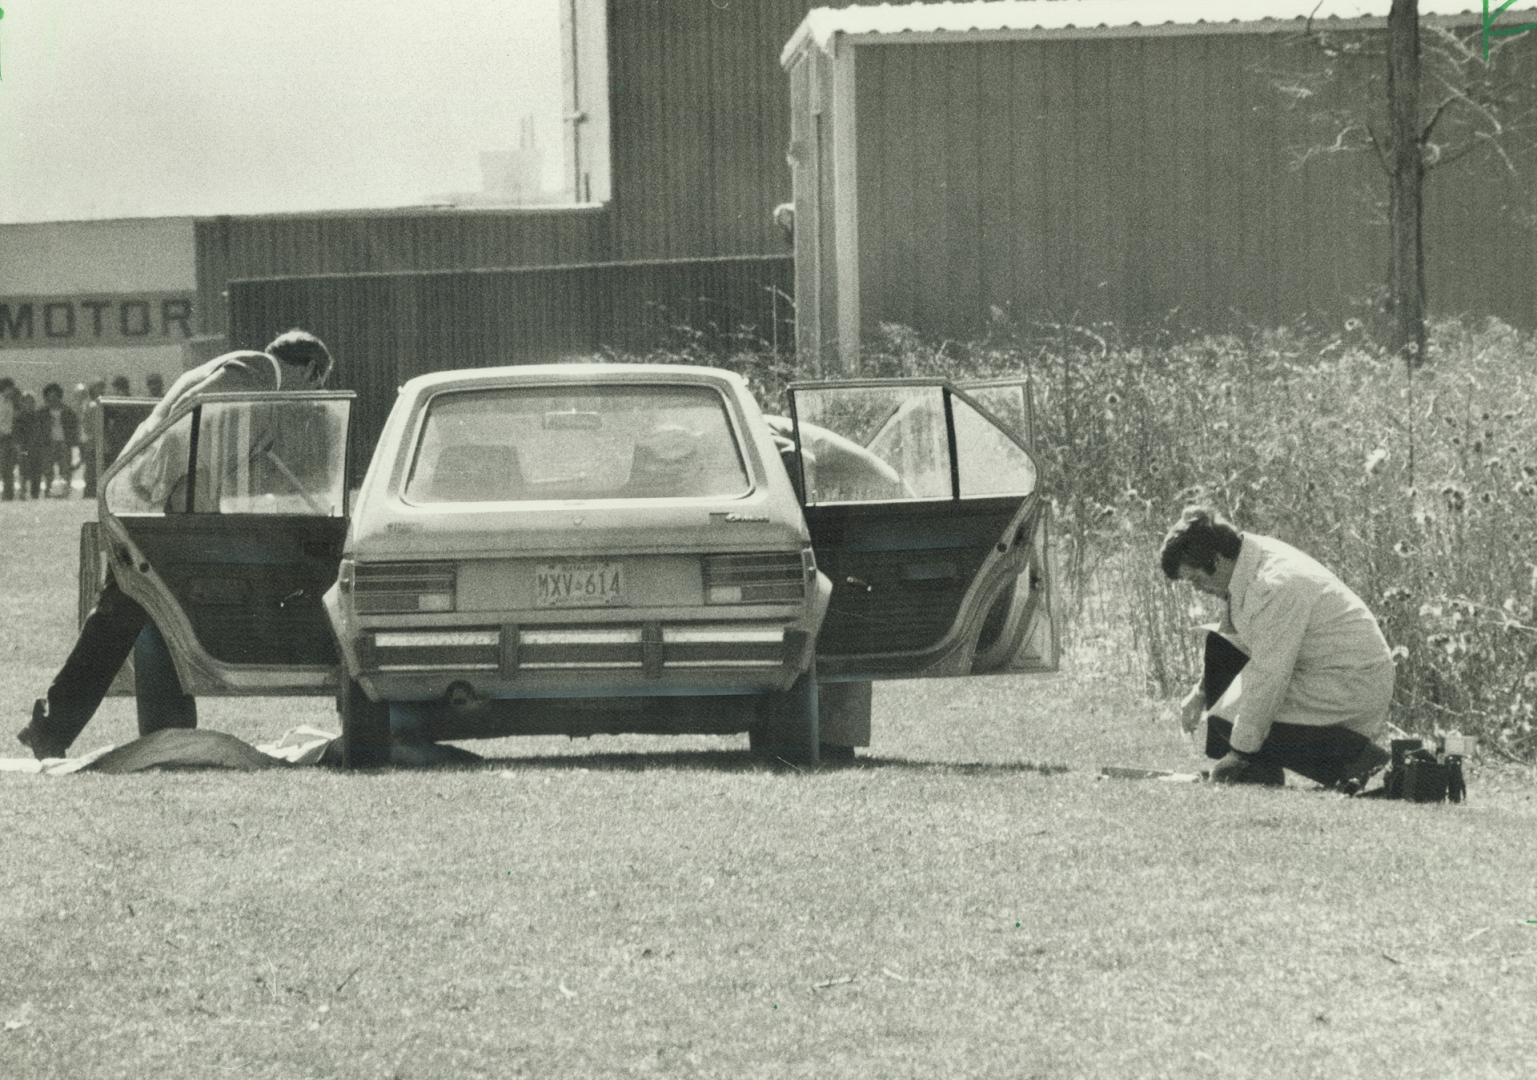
(957, 905)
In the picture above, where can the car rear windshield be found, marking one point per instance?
(536, 443)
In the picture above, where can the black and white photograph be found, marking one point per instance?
(754, 538)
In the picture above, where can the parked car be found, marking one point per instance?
(592, 548)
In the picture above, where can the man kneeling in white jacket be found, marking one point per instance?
(1299, 677)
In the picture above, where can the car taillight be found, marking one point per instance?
(400, 587)
(758, 578)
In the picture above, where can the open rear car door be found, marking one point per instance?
(925, 512)
(227, 524)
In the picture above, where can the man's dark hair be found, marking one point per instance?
(1197, 539)
(53, 388)
(121, 386)
(6, 382)
(299, 348)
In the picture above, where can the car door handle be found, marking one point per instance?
(297, 594)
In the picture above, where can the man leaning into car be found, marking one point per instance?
(1299, 677)
(296, 360)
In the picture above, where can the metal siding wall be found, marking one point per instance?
(385, 328)
(1481, 221)
(997, 263)
(249, 247)
(700, 116)
(1103, 179)
(808, 279)
(823, 121)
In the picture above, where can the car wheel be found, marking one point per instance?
(788, 724)
(843, 719)
(365, 727)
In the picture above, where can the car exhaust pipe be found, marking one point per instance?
(462, 697)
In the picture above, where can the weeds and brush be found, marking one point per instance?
(1419, 488)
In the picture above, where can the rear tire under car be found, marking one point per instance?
(365, 727)
(788, 725)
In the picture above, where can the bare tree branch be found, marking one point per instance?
(1352, 48)
(1435, 117)
(1491, 141)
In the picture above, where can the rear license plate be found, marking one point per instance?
(586, 584)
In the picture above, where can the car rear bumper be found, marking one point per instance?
(651, 654)
(510, 661)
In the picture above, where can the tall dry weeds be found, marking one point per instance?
(1419, 489)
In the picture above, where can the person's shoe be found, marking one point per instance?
(1266, 775)
(1235, 769)
(1359, 772)
(32, 737)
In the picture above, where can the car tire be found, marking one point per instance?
(843, 720)
(365, 727)
(788, 724)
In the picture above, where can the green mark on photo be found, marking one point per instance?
(1490, 30)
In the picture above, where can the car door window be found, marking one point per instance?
(890, 443)
(251, 457)
(153, 480)
(270, 457)
(532, 443)
(1009, 402)
(990, 462)
(873, 443)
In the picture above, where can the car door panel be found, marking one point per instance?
(1019, 634)
(900, 573)
(252, 596)
(227, 525)
(938, 563)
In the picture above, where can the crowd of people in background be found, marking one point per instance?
(45, 440)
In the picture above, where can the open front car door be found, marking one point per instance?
(925, 512)
(227, 524)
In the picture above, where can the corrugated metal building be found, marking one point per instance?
(1107, 160)
(387, 327)
(373, 241)
(699, 118)
(1115, 170)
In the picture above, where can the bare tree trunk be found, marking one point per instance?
(1406, 284)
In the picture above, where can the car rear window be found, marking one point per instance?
(536, 443)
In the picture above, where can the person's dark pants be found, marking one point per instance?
(58, 466)
(88, 463)
(110, 632)
(31, 473)
(1324, 754)
(8, 456)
